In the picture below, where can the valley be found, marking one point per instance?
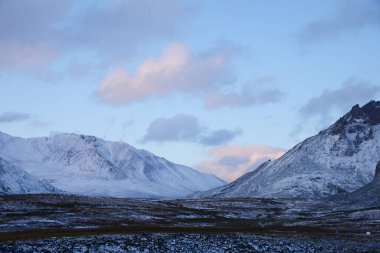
(33, 219)
(78, 193)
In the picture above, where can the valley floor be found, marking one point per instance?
(66, 223)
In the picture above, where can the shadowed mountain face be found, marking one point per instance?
(339, 159)
(91, 166)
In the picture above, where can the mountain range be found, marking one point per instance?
(80, 164)
(338, 160)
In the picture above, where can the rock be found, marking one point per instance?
(377, 173)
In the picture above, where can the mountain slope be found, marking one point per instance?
(367, 196)
(339, 159)
(14, 181)
(91, 166)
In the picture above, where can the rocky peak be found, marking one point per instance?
(356, 111)
(355, 127)
(357, 119)
(371, 112)
(88, 138)
(368, 113)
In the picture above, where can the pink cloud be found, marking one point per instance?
(177, 69)
(232, 161)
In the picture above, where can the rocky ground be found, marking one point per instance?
(64, 223)
(181, 242)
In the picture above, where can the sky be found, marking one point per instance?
(220, 86)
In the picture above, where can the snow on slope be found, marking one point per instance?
(91, 166)
(339, 159)
(14, 180)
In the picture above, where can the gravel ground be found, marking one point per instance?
(148, 242)
(66, 223)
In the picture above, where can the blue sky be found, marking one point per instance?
(216, 85)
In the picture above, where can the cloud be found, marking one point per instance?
(349, 15)
(9, 117)
(232, 161)
(247, 97)
(35, 33)
(220, 136)
(182, 127)
(119, 26)
(176, 70)
(27, 31)
(259, 92)
(353, 91)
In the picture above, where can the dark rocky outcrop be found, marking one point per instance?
(377, 172)
(369, 114)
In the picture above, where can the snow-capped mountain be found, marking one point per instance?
(339, 159)
(14, 180)
(88, 165)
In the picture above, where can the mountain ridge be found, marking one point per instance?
(338, 159)
(83, 164)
